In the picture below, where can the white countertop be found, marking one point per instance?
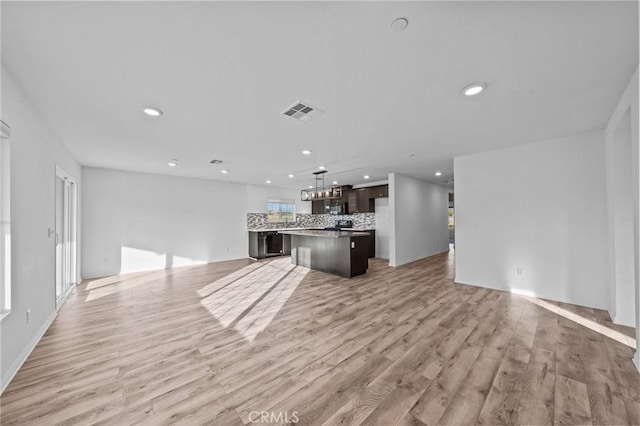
(300, 229)
(281, 229)
(322, 233)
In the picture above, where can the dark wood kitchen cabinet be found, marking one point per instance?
(371, 243)
(362, 200)
(268, 243)
(352, 202)
(380, 191)
(320, 206)
(365, 203)
(359, 201)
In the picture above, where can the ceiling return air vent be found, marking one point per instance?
(214, 161)
(302, 111)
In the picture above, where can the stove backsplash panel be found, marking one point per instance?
(305, 220)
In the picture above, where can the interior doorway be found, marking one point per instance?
(65, 235)
(623, 228)
(452, 222)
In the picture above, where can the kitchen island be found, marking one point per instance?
(343, 253)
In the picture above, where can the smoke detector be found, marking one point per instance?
(302, 111)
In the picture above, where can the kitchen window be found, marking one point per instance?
(281, 211)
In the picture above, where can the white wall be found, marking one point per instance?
(35, 152)
(540, 207)
(628, 104)
(138, 222)
(419, 219)
(258, 195)
(383, 227)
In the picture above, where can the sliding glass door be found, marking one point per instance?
(65, 235)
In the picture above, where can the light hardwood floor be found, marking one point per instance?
(218, 342)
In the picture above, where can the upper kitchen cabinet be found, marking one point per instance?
(380, 191)
(359, 201)
(320, 206)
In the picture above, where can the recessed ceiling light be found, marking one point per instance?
(306, 151)
(172, 163)
(474, 89)
(399, 24)
(321, 167)
(224, 172)
(335, 182)
(154, 112)
(366, 176)
(310, 186)
(290, 175)
(438, 173)
(267, 181)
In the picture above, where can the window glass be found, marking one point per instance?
(281, 211)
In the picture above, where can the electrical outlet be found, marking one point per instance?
(28, 315)
(520, 271)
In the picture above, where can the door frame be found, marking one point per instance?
(70, 274)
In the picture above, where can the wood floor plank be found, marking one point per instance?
(571, 402)
(209, 344)
(503, 401)
(461, 411)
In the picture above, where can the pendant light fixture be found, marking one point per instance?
(320, 192)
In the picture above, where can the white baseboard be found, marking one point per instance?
(622, 321)
(6, 379)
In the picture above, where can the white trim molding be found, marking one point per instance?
(13, 369)
(5, 220)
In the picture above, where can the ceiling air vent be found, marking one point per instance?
(302, 111)
(447, 181)
(214, 161)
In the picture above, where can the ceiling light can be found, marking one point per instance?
(400, 24)
(153, 112)
(474, 89)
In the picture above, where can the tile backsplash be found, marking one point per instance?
(304, 220)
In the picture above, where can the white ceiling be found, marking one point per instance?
(224, 71)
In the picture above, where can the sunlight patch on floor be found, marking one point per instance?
(111, 285)
(590, 324)
(228, 279)
(266, 309)
(250, 298)
(114, 279)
